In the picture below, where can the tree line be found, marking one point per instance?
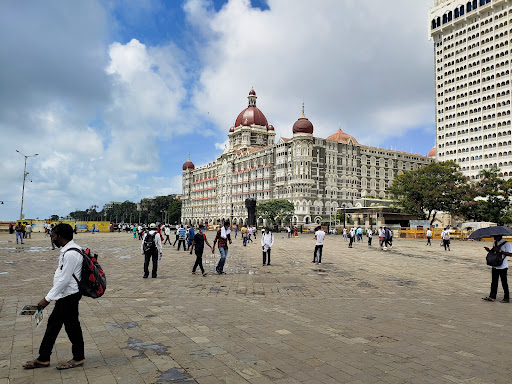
(441, 187)
(159, 209)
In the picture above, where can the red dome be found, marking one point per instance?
(271, 127)
(188, 166)
(432, 152)
(249, 116)
(303, 125)
(252, 92)
(232, 129)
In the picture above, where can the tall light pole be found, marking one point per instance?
(25, 173)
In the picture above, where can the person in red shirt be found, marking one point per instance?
(222, 237)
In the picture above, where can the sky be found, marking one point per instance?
(113, 95)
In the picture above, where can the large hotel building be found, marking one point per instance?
(472, 75)
(317, 175)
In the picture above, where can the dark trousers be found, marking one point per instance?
(318, 256)
(446, 244)
(151, 255)
(64, 313)
(369, 241)
(182, 242)
(351, 241)
(428, 241)
(499, 274)
(199, 260)
(265, 254)
(177, 238)
(167, 239)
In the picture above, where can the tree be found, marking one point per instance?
(488, 199)
(174, 211)
(428, 190)
(275, 210)
(54, 218)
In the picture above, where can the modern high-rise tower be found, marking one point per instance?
(472, 41)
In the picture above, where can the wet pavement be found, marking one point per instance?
(412, 314)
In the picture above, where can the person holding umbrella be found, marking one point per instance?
(498, 271)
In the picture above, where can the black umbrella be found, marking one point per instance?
(490, 232)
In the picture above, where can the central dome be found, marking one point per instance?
(303, 125)
(252, 114)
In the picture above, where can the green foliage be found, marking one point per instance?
(425, 191)
(54, 217)
(488, 199)
(275, 210)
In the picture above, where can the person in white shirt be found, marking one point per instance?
(167, 231)
(445, 235)
(352, 235)
(66, 295)
(500, 272)
(429, 237)
(267, 241)
(369, 233)
(317, 254)
(154, 252)
(345, 235)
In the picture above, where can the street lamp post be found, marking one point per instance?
(25, 173)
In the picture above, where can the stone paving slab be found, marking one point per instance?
(412, 314)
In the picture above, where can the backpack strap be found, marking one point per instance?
(80, 251)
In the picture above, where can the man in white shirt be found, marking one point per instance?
(267, 241)
(429, 237)
(369, 233)
(66, 295)
(319, 236)
(500, 272)
(167, 231)
(445, 235)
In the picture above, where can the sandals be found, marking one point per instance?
(488, 298)
(71, 364)
(33, 364)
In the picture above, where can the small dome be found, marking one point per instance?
(188, 166)
(342, 137)
(232, 129)
(303, 125)
(271, 127)
(252, 92)
(432, 152)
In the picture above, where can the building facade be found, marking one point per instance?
(472, 79)
(317, 175)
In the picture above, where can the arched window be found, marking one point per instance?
(456, 12)
(461, 10)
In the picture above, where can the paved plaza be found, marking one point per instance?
(412, 314)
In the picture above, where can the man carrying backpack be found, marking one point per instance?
(66, 294)
(500, 271)
(151, 249)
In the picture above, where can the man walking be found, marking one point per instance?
(182, 234)
(167, 234)
(317, 254)
(190, 236)
(352, 235)
(152, 250)
(369, 234)
(222, 237)
(500, 272)
(445, 235)
(67, 296)
(429, 237)
(245, 232)
(267, 241)
(19, 232)
(198, 244)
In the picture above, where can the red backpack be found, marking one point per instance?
(94, 281)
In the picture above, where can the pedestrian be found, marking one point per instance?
(151, 247)
(267, 241)
(254, 230)
(500, 272)
(381, 237)
(198, 244)
(245, 232)
(67, 296)
(190, 235)
(19, 232)
(28, 231)
(222, 237)
(140, 230)
(295, 234)
(93, 228)
(250, 231)
(388, 237)
(319, 237)
(429, 237)
(289, 231)
(369, 234)
(167, 235)
(134, 230)
(236, 230)
(11, 228)
(445, 235)
(176, 233)
(359, 233)
(182, 234)
(345, 234)
(351, 235)
(50, 231)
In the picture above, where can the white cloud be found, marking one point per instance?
(357, 63)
